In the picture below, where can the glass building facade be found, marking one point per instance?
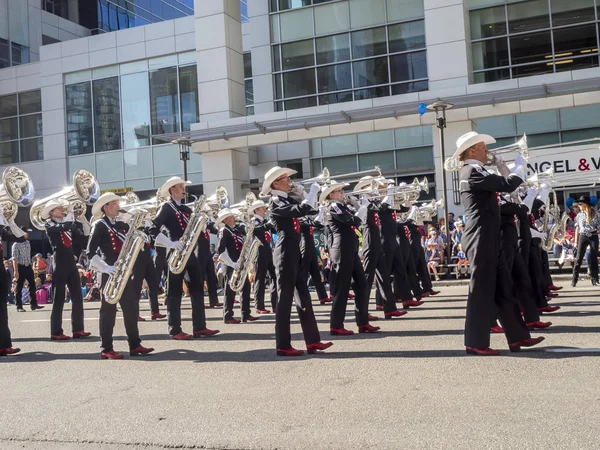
(14, 33)
(21, 128)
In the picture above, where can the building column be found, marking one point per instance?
(447, 33)
(229, 168)
(260, 49)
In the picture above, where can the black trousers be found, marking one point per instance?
(291, 286)
(264, 266)
(149, 274)
(344, 269)
(375, 269)
(130, 305)
(538, 280)
(582, 245)
(546, 270)
(5, 339)
(66, 273)
(175, 292)
(490, 290)
(410, 269)
(418, 255)
(230, 297)
(25, 273)
(394, 260)
(160, 263)
(207, 268)
(315, 275)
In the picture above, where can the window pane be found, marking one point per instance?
(574, 40)
(3, 19)
(413, 137)
(300, 82)
(18, 22)
(275, 35)
(144, 184)
(290, 4)
(138, 163)
(31, 125)
(333, 48)
(30, 102)
(572, 11)
(20, 54)
(535, 69)
(87, 162)
(338, 97)
(300, 103)
(404, 9)
(4, 54)
(370, 72)
(334, 78)
(492, 75)
(315, 147)
(107, 114)
(188, 87)
(332, 18)
(496, 126)
(109, 166)
(488, 22)
(164, 101)
(276, 59)
(249, 89)
(415, 159)
(166, 160)
(407, 36)
(491, 53)
(296, 24)
(579, 117)
(406, 88)
(79, 119)
(384, 160)
(315, 167)
(298, 54)
(537, 122)
(363, 94)
(339, 145)
(369, 43)
(135, 110)
(577, 135)
(408, 66)
(535, 140)
(528, 16)
(340, 164)
(278, 82)
(9, 129)
(247, 65)
(378, 140)
(530, 48)
(363, 14)
(32, 149)
(9, 152)
(8, 105)
(579, 63)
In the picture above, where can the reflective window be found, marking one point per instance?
(333, 48)
(14, 33)
(80, 134)
(107, 114)
(138, 163)
(364, 14)
(378, 140)
(383, 160)
(135, 110)
(334, 78)
(370, 72)
(109, 166)
(298, 83)
(420, 159)
(188, 91)
(21, 128)
(164, 101)
(248, 84)
(298, 54)
(369, 43)
(332, 18)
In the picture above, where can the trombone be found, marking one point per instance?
(453, 164)
(402, 193)
(325, 177)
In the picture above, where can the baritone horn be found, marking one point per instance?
(84, 191)
(16, 191)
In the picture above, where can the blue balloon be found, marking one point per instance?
(594, 200)
(570, 202)
(422, 108)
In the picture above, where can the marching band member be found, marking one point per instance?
(104, 246)
(174, 216)
(207, 265)
(418, 252)
(151, 277)
(490, 289)
(345, 262)
(6, 234)
(309, 256)
(373, 261)
(59, 228)
(409, 266)
(264, 262)
(231, 241)
(291, 278)
(587, 224)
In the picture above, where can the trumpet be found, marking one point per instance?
(408, 193)
(453, 164)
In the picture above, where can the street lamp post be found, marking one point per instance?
(185, 144)
(440, 108)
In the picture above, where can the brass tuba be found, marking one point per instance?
(132, 201)
(244, 206)
(550, 209)
(246, 260)
(178, 259)
(133, 244)
(218, 201)
(84, 191)
(16, 191)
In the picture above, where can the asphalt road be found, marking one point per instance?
(410, 386)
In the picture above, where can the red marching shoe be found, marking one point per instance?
(317, 346)
(372, 318)
(368, 328)
(551, 294)
(482, 351)
(397, 313)
(141, 319)
(205, 332)
(262, 311)
(81, 334)
(232, 321)
(548, 309)
(350, 296)
(181, 336)
(525, 343)
(250, 319)
(538, 324)
(156, 316)
(60, 337)
(421, 296)
(496, 330)
(432, 292)
(140, 351)
(111, 355)
(379, 308)
(340, 332)
(554, 288)
(322, 301)
(9, 351)
(409, 303)
(289, 352)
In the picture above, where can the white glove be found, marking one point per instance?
(99, 265)
(321, 216)
(163, 241)
(69, 217)
(362, 213)
(520, 161)
(520, 172)
(412, 215)
(532, 193)
(226, 259)
(364, 201)
(148, 223)
(501, 166)
(87, 228)
(298, 190)
(538, 234)
(311, 197)
(544, 194)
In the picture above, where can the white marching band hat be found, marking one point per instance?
(105, 198)
(272, 175)
(469, 139)
(257, 204)
(334, 185)
(164, 189)
(365, 182)
(53, 204)
(224, 214)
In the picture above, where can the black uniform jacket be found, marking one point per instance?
(173, 217)
(285, 215)
(106, 239)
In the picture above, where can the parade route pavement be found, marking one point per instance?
(409, 387)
